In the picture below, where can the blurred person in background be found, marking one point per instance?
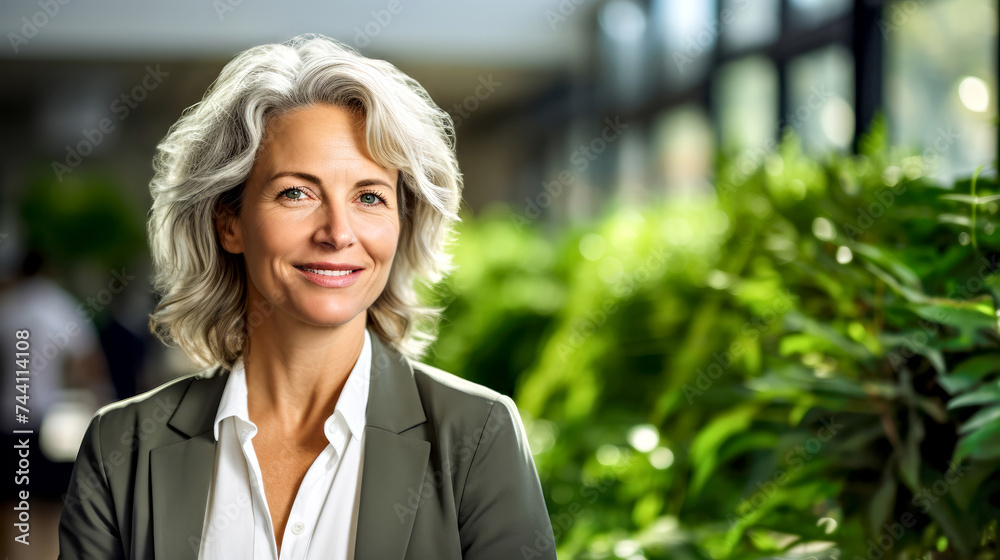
(67, 381)
(294, 210)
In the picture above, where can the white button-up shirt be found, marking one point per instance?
(324, 515)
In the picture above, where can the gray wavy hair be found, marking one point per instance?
(202, 163)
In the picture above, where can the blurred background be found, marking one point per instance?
(733, 259)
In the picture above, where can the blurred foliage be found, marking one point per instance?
(81, 217)
(804, 365)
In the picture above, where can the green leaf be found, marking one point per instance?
(969, 199)
(963, 315)
(910, 294)
(900, 344)
(970, 372)
(706, 445)
(875, 141)
(982, 444)
(910, 459)
(983, 395)
(955, 219)
(751, 439)
(897, 267)
(980, 419)
(954, 524)
(814, 331)
(882, 502)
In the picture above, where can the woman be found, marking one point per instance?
(294, 209)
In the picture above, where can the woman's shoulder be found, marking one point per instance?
(448, 398)
(435, 379)
(157, 403)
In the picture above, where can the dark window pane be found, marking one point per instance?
(623, 27)
(813, 12)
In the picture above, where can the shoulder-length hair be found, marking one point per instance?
(202, 163)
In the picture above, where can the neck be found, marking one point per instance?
(295, 372)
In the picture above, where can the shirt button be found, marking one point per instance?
(298, 527)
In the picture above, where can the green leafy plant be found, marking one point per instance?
(803, 365)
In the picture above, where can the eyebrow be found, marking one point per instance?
(316, 180)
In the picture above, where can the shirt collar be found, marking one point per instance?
(352, 403)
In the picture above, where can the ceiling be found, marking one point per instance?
(512, 33)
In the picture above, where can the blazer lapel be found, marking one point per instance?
(181, 473)
(391, 480)
(394, 465)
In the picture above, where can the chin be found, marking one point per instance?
(331, 316)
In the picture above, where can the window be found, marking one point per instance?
(688, 32)
(747, 103)
(808, 13)
(732, 75)
(821, 99)
(684, 149)
(941, 82)
(749, 23)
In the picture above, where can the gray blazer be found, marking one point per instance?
(447, 472)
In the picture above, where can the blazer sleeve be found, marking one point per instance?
(88, 526)
(502, 514)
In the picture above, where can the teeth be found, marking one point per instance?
(330, 272)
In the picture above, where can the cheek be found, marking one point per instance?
(382, 239)
(269, 238)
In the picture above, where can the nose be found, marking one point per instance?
(334, 227)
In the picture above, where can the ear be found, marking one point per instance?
(227, 226)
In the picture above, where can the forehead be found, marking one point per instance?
(318, 139)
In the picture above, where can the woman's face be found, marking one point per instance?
(316, 206)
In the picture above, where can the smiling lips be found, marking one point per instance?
(323, 267)
(329, 272)
(330, 275)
